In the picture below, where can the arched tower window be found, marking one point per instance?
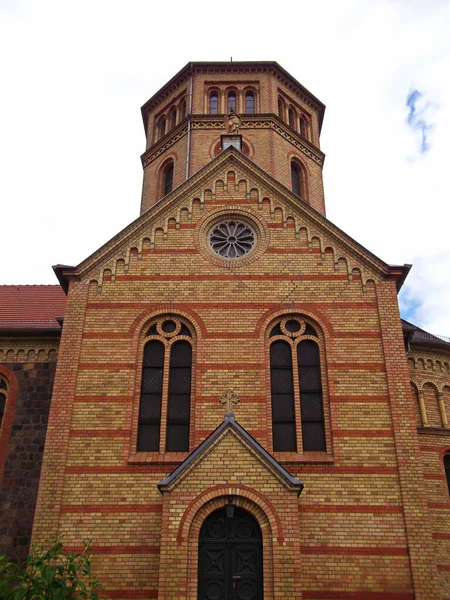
(280, 108)
(292, 118)
(250, 102)
(213, 103)
(182, 110)
(296, 393)
(304, 127)
(3, 394)
(172, 118)
(162, 128)
(168, 178)
(447, 470)
(231, 101)
(164, 409)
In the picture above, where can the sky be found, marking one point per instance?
(73, 76)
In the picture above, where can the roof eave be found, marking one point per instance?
(62, 273)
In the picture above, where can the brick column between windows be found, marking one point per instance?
(418, 530)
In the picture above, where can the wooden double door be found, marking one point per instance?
(230, 557)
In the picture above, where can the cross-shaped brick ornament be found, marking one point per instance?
(228, 399)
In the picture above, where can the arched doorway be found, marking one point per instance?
(230, 565)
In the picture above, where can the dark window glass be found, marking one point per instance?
(168, 326)
(311, 400)
(2, 385)
(292, 326)
(168, 179)
(213, 103)
(282, 388)
(2, 406)
(310, 330)
(276, 331)
(249, 103)
(179, 401)
(295, 177)
(151, 397)
(231, 101)
(292, 118)
(185, 331)
(447, 470)
(152, 330)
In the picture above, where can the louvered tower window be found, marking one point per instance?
(296, 178)
(213, 103)
(168, 179)
(249, 103)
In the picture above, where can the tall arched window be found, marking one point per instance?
(296, 393)
(213, 103)
(3, 393)
(447, 470)
(231, 101)
(164, 409)
(168, 178)
(296, 178)
(249, 102)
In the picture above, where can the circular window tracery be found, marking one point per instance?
(232, 239)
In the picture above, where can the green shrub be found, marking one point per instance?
(50, 573)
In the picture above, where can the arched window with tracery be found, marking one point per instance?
(166, 382)
(213, 103)
(296, 386)
(298, 180)
(231, 100)
(3, 396)
(249, 102)
(447, 470)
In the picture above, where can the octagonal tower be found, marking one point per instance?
(280, 127)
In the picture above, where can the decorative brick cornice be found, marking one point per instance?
(215, 122)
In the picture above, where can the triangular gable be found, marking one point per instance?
(201, 451)
(228, 160)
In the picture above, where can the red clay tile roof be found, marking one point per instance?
(31, 306)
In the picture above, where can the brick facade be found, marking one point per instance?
(370, 522)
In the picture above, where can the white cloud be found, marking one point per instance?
(76, 74)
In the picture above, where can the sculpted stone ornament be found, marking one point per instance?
(228, 399)
(233, 121)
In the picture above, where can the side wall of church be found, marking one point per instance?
(29, 379)
(429, 370)
(357, 529)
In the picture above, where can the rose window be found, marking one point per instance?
(232, 239)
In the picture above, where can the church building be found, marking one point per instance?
(223, 398)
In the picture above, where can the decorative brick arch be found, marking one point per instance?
(215, 498)
(144, 317)
(304, 309)
(223, 491)
(5, 429)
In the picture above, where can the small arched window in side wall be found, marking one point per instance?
(162, 128)
(3, 394)
(213, 103)
(172, 118)
(447, 470)
(182, 109)
(296, 180)
(292, 118)
(304, 127)
(280, 108)
(168, 178)
(249, 103)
